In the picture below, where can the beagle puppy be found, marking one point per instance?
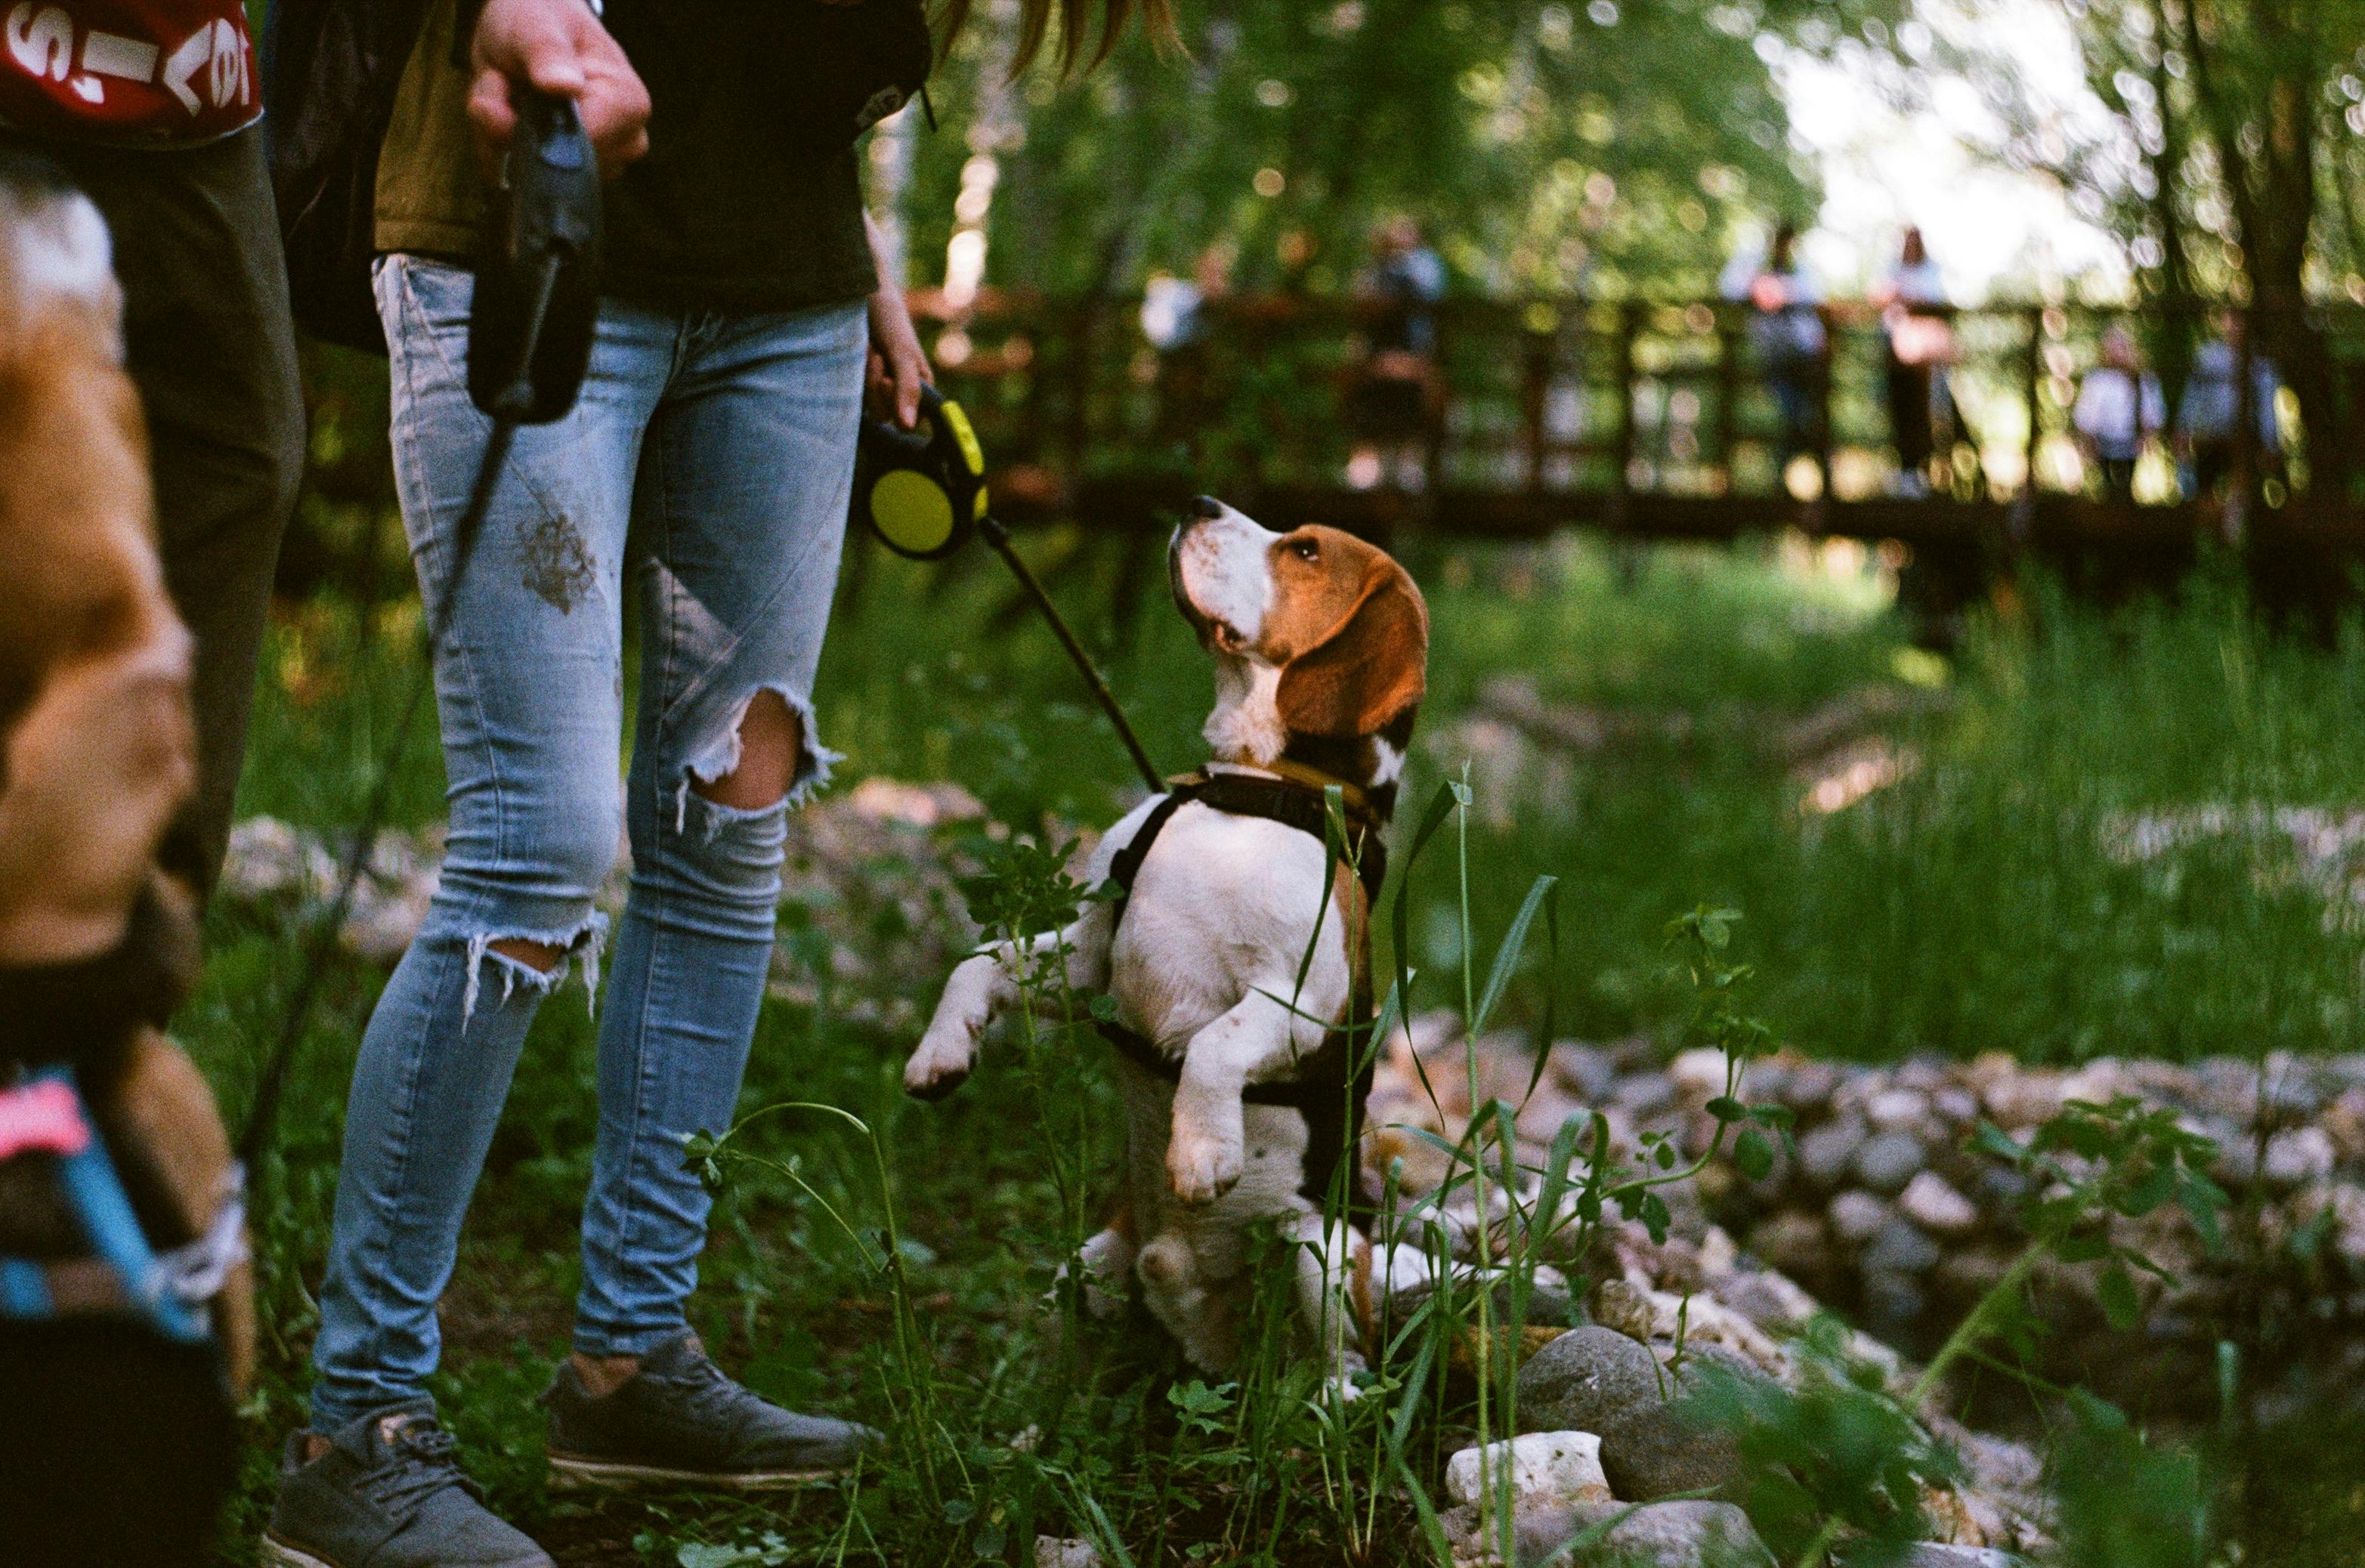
(120, 1438)
(1237, 951)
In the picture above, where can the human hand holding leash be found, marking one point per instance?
(899, 366)
(559, 48)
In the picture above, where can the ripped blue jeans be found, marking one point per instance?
(725, 445)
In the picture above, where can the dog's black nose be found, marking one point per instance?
(1203, 507)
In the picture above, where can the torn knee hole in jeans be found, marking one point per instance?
(586, 938)
(721, 758)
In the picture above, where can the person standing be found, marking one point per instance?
(2209, 415)
(1788, 334)
(151, 106)
(1397, 382)
(1919, 344)
(743, 297)
(2119, 408)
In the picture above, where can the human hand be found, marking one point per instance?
(899, 366)
(560, 46)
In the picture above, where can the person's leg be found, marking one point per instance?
(742, 497)
(527, 676)
(1915, 441)
(1902, 391)
(208, 340)
(1796, 411)
(2118, 480)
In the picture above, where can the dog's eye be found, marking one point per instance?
(1306, 549)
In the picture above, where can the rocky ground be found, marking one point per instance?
(1886, 1209)
(1890, 1211)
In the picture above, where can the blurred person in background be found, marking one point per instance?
(153, 109)
(1918, 344)
(2208, 417)
(1176, 321)
(1785, 330)
(2119, 408)
(1396, 382)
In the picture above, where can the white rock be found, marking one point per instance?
(1857, 1217)
(1892, 1109)
(1698, 1073)
(913, 805)
(2347, 1205)
(1559, 1467)
(1933, 1206)
(1051, 1552)
(2300, 1156)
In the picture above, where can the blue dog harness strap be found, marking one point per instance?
(24, 1289)
(95, 1191)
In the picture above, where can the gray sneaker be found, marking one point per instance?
(387, 1494)
(679, 1421)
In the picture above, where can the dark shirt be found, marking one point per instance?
(728, 211)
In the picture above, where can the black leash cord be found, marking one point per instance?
(264, 1113)
(999, 537)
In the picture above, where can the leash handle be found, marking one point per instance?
(999, 537)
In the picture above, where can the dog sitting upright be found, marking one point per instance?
(1238, 971)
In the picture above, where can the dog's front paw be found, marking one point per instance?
(940, 1065)
(1202, 1166)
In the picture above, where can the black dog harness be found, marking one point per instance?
(1327, 1088)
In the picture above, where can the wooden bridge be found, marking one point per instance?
(1654, 420)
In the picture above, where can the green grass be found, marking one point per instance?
(1971, 907)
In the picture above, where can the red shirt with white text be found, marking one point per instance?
(139, 72)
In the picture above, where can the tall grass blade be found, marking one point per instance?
(1515, 942)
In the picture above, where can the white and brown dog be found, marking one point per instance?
(1237, 967)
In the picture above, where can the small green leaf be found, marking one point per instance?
(1754, 1155)
(1654, 1219)
(1725, 1108)
(2081, 1249)
(2117, 1293)
(1996, 1142)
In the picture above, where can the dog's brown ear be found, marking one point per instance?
(1371, 667)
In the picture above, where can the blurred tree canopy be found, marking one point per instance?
(2228, 161)
(1614, 146)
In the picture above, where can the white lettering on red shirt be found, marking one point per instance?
(161, 73)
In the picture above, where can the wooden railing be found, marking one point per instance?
(1646, 418)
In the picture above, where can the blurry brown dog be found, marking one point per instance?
(117, 1441)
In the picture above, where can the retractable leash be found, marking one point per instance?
(922, 492)
(530, 328)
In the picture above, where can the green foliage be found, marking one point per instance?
(2090, 1162)
(1550, 146)
(1025, 890)
(2128, 1503)
(1838, 1449)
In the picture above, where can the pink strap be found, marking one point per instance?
(42, 1117)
